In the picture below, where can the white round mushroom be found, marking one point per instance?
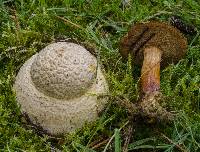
(58, 88)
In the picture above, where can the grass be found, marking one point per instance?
(28, 26)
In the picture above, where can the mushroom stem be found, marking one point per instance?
(150, 86)
(150, 73)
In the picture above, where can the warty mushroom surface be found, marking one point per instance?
(58, 88)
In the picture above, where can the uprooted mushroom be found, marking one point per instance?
(153, 44)
(58, 87)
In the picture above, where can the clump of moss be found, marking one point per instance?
(102, 25)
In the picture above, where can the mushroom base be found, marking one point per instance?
(150, 107)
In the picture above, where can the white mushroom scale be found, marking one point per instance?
(58, 88)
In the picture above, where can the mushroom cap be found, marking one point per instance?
(168, 39)
(59, 67)
(66, 114)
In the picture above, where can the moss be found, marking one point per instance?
(38, 26)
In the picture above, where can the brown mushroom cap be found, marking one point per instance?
(168, 39)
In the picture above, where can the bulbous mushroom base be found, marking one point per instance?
(150, 107)
(58, 116)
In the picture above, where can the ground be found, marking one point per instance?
(28, 26)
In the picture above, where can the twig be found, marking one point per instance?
(100, 143)
(100, 138)
(128, 138)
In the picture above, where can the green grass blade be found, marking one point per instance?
(117, 141)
